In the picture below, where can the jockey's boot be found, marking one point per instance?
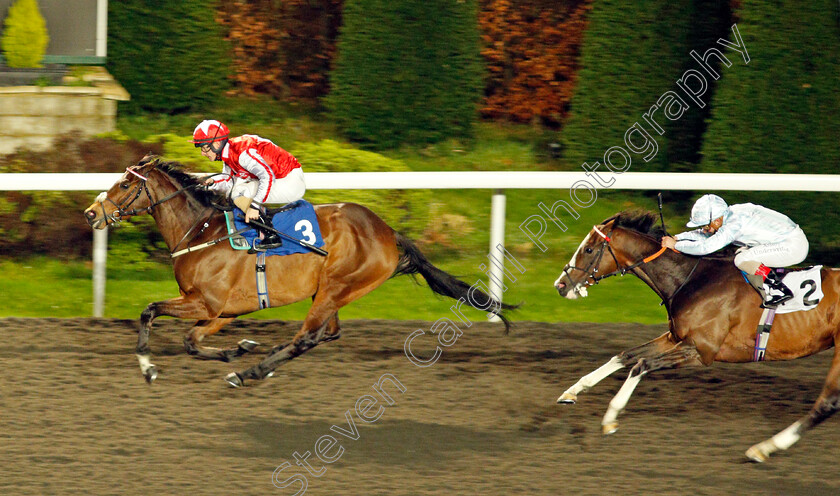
(757, 282)
(783, 293)
(270, 239)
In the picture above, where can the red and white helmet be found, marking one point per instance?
(209, 131)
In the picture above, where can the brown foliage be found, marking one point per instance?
(532, 50)
(51, 222)
(281, 48)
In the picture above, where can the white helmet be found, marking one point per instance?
(706, 209)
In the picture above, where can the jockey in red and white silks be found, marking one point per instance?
(255, 172)
(257, 168)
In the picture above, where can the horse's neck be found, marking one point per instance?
(175, 216)
(665, 274)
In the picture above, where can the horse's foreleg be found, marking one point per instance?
(590, 379)
(825, 406)
(651, 348)
(181, 307)
(204, 328)
(680, 355)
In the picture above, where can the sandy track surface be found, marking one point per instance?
(77, 417)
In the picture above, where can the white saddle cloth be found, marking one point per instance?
(807, 290)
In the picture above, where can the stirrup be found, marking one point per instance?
(260, 247)
(778, 300)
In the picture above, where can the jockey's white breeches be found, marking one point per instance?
(284, 190)
(790, 251)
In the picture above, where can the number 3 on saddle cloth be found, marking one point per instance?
(296, 219)
(806, 285)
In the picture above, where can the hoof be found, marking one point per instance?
(246, 345)
(234, 379)
(610, 428)
(150, 374)
(755, 454)
(567, 398)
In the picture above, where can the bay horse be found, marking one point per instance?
(712, 316)
(217, 284)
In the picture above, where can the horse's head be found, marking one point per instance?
(614, 246)
(593, 258)
(128, 196)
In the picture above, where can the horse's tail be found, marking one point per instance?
(412, 261)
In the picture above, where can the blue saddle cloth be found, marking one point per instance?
(298, 221)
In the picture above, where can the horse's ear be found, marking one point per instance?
(150, 158)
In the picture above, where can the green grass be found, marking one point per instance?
(44, 287)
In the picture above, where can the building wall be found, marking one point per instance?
(32, 116)
(71, 25)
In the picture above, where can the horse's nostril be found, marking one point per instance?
(90, 214)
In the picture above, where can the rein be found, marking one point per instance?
(140, 189)
(592, 271)
(142, 186)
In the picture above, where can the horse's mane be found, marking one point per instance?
(638, 220)
(177, 171)
(645, 222)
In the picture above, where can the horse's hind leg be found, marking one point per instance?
(333, 330)
(321, 325)
(825, 406)
(651, 348)
(331, 333)
(680, 355)
(204, 328)
(307, 338)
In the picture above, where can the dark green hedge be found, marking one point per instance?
(406, 71)
(170, 55)
(779, 113)
(633, 52)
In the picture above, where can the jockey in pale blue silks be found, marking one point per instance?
(767, 239)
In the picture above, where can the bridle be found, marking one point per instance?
(141, 187)
(591, 271)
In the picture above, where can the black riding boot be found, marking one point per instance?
(270, 240)
(779, 292)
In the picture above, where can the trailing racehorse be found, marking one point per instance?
(217, 284)
(713, 315)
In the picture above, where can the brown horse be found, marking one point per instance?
(713, 315)
(217, 284)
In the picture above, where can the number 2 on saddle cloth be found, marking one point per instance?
(806, 285)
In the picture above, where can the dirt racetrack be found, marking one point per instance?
(77, 417)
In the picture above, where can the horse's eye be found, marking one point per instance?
(589, 250)
(124, 185)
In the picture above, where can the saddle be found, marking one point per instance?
(296, 221)
(805, 286)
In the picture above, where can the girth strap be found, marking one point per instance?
(762, 334)
(262, 283)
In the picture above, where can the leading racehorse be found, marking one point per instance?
(712, 314)
(218, 284)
